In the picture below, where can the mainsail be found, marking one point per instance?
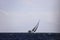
(35, 28)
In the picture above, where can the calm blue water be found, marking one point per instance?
(29, 36)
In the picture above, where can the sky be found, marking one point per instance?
(23, 15)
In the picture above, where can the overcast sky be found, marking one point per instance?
(23, 15)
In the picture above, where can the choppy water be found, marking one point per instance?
(29, 36)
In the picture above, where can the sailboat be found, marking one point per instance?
(34, 29)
